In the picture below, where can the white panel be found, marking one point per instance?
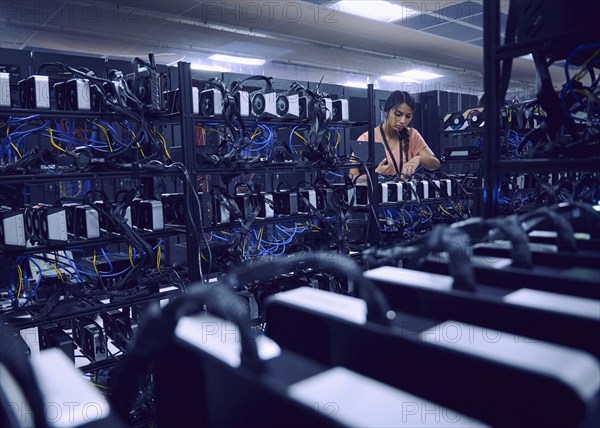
(359, 401)
(411, 278)
(336, 305)
(221, 339)
(571, 305)
(577, 369)
(70, 400)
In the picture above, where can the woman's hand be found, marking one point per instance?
(385, 168)
(409, 168)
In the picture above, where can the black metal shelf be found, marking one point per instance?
(47, 177)
(253, 121)
(19, 321)
(101, 365)
(549, 165)
(385, 205)
(260, 167)
(274, 167)
(463, 132)
(260, 222)
(85, 243)
(61, 114)
(553, 48)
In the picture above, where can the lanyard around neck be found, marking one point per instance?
(387, 147)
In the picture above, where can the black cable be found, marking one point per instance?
(198, 228)
(370, 196)
(19, 366)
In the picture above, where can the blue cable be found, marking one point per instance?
(107, 260)
(409, 216)
(37, 284)
(12, 120)
(75, 270)
(218, 237)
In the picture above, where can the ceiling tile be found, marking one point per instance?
(420, 22)
(477, 42)
(459, 10)
(478, 20)
(455, 31)
(474, 20)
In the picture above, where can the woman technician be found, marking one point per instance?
(404, 146)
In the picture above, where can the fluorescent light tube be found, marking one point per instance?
(208, 67)
(237, 59)
(412, 74)
(382, 11)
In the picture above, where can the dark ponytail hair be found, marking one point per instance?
(395, 98)
(399, 97)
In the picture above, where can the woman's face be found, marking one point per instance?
(399, 117)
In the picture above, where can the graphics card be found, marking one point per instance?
(60, 96)
(362, 194)
(266, 205)
(383, 193)
(211, 103)
(446, 185)
(96, 99)
(77, 325)
(12, 227)
(324, 198)
(86, 221)
(78, 95)
(222, 215)
(150, 215)
(242, 101)
(455, 122)
(345, 192)
(305, 107)
(94, 342)
(5, 90)
(459, 121)
(53, 224)
(424, 191)
(285, 202)
(394, 192)
(288, 106)
(43, 223)
(340, 111)
(475, 117)
(52, 336)
(264, 105)
(22, 91)
(38, 92)
(327, 103)
(106, 225)
(242, 200)
(147, 84)
(307, 198)
(173, 206)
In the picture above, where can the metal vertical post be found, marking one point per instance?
(189, 161)
(371, 166)
(491, 73)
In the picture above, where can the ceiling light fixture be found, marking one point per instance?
(382, 11)
(414, 75)
(393, 78)
(237, 59)
(209, 67)
(360, 85)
